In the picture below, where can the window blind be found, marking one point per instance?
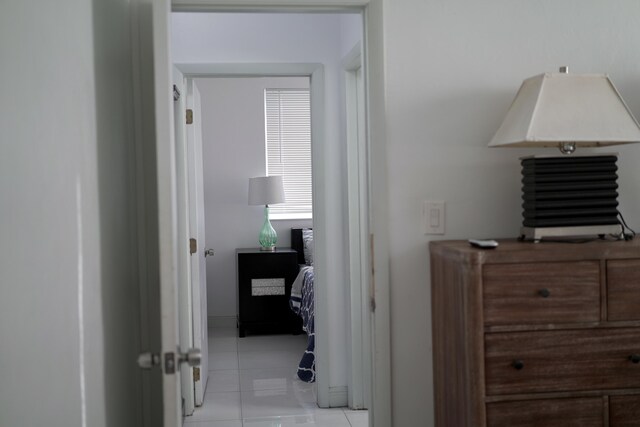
(288, 149)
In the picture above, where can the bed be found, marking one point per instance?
(302, 299)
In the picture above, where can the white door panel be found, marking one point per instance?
(197, 231)
(167, 222)
(183, 232)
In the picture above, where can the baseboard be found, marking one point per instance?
(338, 397)
(221, 321)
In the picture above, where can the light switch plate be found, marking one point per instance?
(433, 217)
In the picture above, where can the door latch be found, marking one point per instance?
(192, 357)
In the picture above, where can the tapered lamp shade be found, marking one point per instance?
(266, 190)
(555, 108)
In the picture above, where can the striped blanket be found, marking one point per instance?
(301, 302)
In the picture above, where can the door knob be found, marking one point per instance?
(192, 357)
(148, 360)
(209, 252)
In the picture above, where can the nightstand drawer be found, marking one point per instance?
(623, 289)
(530, 293)
(570, 360)
(585, 412)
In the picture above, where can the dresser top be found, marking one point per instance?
(512, 250)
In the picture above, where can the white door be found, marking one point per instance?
(197, 232)
(172, 353)
(167, 233)
(184, 244)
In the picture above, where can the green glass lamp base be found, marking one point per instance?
(268, 237)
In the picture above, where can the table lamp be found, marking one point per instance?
(568, 195)
(266, 190)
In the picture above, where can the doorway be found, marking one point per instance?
(377, 246)
(327, 86)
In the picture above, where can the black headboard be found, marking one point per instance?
(296, 243)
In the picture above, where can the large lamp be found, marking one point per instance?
(266, 190)
(568, 195)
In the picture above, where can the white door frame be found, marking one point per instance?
(315, 72)
(359, 383)
(378, 291)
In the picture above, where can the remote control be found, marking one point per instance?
(484, 244)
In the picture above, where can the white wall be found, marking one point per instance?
(68, 290)
(288, 38)
(452, 68)
(233, 151)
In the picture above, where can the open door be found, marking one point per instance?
(164, 356)
(167, 212)
(197, 232)
(185, 245)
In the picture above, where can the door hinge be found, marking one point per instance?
(196, 374)
(193, 246)
(176, 93)
(189, 116)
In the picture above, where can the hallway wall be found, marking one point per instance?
(69, 301)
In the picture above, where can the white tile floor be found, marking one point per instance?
(252, 383)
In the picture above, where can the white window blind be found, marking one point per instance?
(288, 147)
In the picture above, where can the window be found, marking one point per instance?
(288, 149)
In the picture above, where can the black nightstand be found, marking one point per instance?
(264, 288)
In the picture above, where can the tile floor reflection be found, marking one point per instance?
(252, 383)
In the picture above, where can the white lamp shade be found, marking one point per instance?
(552, 108)
(266, 190)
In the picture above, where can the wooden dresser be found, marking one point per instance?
(543, 335)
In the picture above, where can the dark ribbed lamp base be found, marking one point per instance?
(569, 196)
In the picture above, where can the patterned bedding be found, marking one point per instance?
(301, 302)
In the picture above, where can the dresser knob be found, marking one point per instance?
(635, 358)
(518, 364)
(544, 293)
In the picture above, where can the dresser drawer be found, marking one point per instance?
(569, 360)
(623, 289)
(585, 412)
(624, 411)
(553, 292)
